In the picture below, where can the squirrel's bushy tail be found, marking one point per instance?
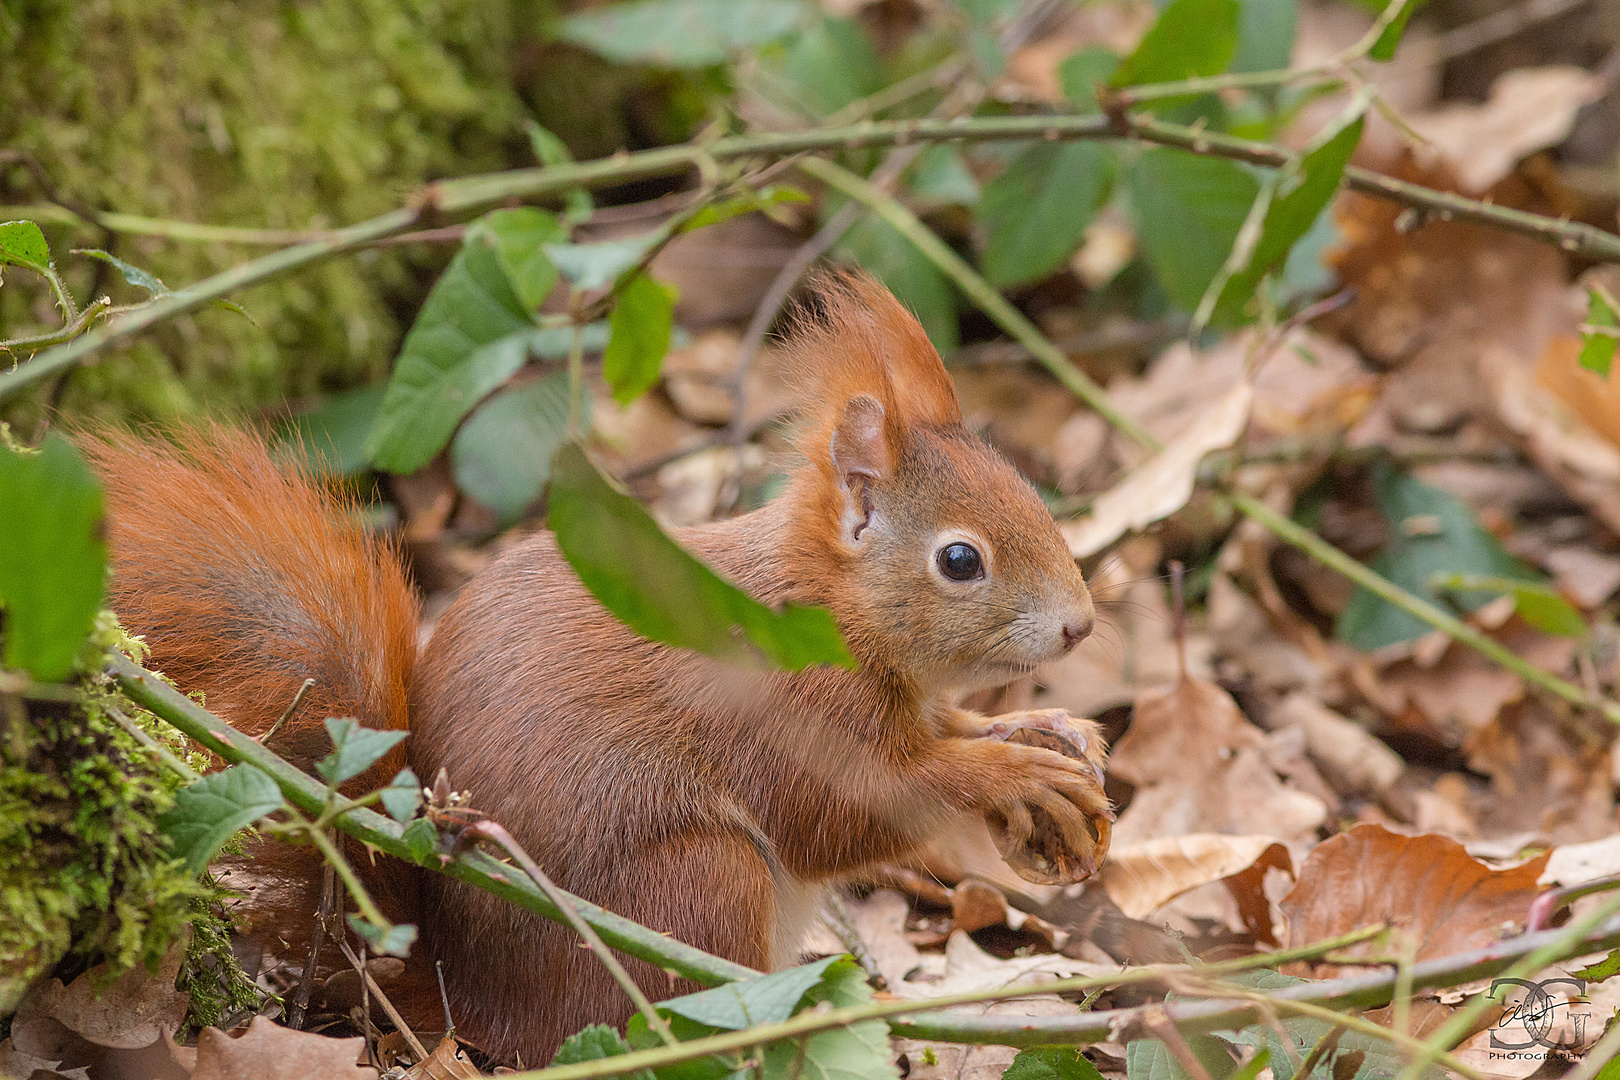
(246, 576)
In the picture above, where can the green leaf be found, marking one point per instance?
(941, 178)
(1384, 48)
(1148, 1059)
(683, 33)
(1035, 214)
(1082, 73)
(858, 1052)
(1536, 602)
(874, 245)
(660, 591)
(473, 333)
(1051, 1063)
(1598, 348)
(1431, 535)
(54, 559)
(591, 266)
(642, 318)
(1191, 39)
(1302, 196)
(137, 277)
(1265, 35)
(421, 839)
(519, 236)
(1187, 211)
(333, 437)
(1605, 969)
(355, 748)
(389, 940)
(1354, 1057)
(765, 999)
(832, 65)
(23, 244)
(402, 796)
(214, 808)
(593, 1044)
(502, 454)
(748, 202)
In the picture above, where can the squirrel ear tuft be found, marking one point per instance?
(923, 390)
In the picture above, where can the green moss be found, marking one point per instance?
(84, 873)
(260, 113)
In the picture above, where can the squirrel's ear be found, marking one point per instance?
(860, 455)
(923, 390)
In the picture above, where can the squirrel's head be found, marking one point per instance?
(938, 559)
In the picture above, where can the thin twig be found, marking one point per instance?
(474, 193)
(495, 833)
(324, 910)
(292, 707)
(843, 926)
(370, 985)
(76, 326)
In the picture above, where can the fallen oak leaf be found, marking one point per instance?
(1163, 485)
(1428, 885)
(1142, 877)
(446, 1062)
(134, 1011)
(268, 1051)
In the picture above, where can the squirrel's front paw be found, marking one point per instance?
(1055, 829)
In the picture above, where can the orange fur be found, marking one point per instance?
(699, 799)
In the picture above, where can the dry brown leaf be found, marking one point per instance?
(135, 1011)
(1529, 109)
(1347, 753)
(1576, 864)
(1585, 576)
(1594, 398)
(1144, 876)
(1162, 486)
(268, 1051)
(15, 1063)
(1200, 766)
(446, 1062)
(1312, 385)
(1446, 900)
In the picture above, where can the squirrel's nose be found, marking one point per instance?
(1076, 629)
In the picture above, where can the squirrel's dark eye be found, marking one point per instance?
(960, 562)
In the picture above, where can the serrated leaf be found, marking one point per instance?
(355, 748)
(502, 454)
(1187, 211)
(765, 999)
(1432, 535)
(1536, 602)
(402, 796)
(391, 940)
(54, 560)
(137, 277)
(1191, 39)
(519, 236)
(1304, 193)
(1081, 74)
(214, 808)
(875, 246)
(1598, 348)
(1036, 212)
(591, 266)
(1605, 969)
(643, 316)
(593, 1044)
(23, 244)
(683, 33)
(472, 334)
(1051, 1063)
(661, 591)
(421, 840)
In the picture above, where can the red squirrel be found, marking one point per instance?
(701, 800)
